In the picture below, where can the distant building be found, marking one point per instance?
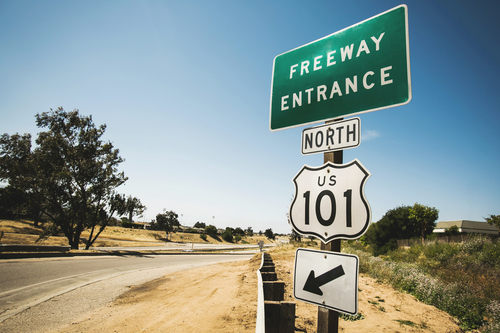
(467, 227)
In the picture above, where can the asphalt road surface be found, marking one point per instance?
(29, 282)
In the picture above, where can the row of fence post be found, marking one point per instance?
(279, 315)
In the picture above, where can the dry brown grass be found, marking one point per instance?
(25, 233)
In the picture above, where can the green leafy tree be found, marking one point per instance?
(227, 235)
(452, 231)
(269, 233)
(199, 225)
(71, 175)
(238, 232)
(134, 207)
(211, 230)
(493, 220)
(104, 216)
(19, 167)
(424, 219)
(395, 224)
(167, 221)
(249, 231)
(12, 202)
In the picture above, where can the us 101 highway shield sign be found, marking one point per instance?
(329, 201)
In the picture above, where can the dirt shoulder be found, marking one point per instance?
(384, 309)
(216, 298)
(223, 298)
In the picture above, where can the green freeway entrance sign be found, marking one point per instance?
(363, 68)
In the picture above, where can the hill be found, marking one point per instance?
(24, 232)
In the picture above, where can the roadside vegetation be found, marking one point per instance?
(24, 232)
(459, 278)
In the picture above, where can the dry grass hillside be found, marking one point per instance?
(24, 232)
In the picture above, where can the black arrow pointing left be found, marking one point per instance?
(313, 283)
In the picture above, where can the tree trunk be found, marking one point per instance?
(89, 240)
(36, 218)
(76, 241)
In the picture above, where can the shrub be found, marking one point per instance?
(237, 238)
(204, 237)
(449, 290)
(227, 236)
(211, 230)
(127, 224)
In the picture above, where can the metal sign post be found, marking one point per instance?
(328, 320)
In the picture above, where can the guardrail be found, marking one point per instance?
(274, 315)
(33, 248)
(260, 324)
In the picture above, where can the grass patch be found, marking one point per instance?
(406, 322)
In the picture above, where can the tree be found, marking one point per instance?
(19, 167)
(167, 221)
(104, 216)
(424, 219)
(269, 233)
(12, 202)
(493, 220)
(238, 232)
(71, 175)
(249, 231)
(134, 207)
(199, 225)
(452, 231)
(394, 225)
(211, 230)
(227, 235)
(295, 237)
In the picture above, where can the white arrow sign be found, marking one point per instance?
(329, 201)
(328, 279)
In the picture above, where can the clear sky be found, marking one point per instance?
(184, 89)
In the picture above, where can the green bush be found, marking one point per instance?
(237, 238)
(132, 225)
(211, 230)
(204, 237)
(227, 236)
(127, 224)
(460, 279)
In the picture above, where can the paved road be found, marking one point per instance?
(185, 246)
(28, 282)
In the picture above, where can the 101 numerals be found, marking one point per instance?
(330, 217)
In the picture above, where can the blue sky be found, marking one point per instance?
(184, 89)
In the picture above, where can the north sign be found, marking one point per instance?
(328, 279)
(339, 135)
(329, 201)
(363, 68)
